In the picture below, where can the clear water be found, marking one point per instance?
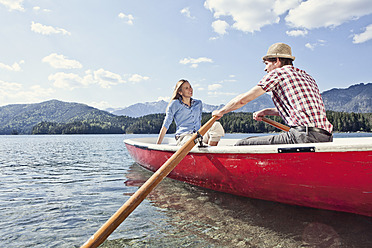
(56, 191)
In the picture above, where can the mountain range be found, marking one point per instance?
(21, 118)
(141, 109)
(357, 98)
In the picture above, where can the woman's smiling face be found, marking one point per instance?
(186, 90)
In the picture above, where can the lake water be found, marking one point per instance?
(56, 191)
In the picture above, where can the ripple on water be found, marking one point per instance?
(56, 191)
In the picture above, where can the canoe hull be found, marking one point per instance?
(340, 181)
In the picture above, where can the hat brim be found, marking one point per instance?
(286, 56)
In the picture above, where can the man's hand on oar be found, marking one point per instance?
(276, 124)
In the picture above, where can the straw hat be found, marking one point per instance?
(279, 50)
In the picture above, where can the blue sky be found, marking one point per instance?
(116, 53)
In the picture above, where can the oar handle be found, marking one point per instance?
(276, 124)
(131, 204)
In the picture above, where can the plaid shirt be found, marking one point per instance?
(296, 97)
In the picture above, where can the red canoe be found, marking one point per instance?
(334, 176)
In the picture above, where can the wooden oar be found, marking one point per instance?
(276, 124)
(123, 212)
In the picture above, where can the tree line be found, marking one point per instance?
(236, 122)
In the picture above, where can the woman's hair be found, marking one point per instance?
(176, 91)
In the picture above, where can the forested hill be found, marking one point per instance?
(232, 122)
(21, 118)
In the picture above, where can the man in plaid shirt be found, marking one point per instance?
(296, 98)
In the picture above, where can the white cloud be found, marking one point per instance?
(282, 6)
(297, 32)
(16, 92)
(15, 67)
(37, 8)
(195, 62)
(13, 4)
(198, 87)
(106, 79)
(163, 98)
(363, 37)
(67, 81)
(313, 45)
(214, 86)
(10, 86)
(252, 15)
(186, 12)
(127, 18)
(137, 78)
(100, 105)
(229, 80)
(47, 30)
(61, 62)
(310, 46)
(36, 92)
(331, 13)
(220, 93)
(220, 27)
(248, 16)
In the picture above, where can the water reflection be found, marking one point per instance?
(198, 217)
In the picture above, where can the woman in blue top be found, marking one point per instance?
(187, 114)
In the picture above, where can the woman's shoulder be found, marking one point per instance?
(174, 103)
(197, 101)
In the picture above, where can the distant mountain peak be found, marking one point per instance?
(356, 98)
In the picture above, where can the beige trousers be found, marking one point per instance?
(214, 134)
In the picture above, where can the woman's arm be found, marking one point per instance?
(169, 115)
